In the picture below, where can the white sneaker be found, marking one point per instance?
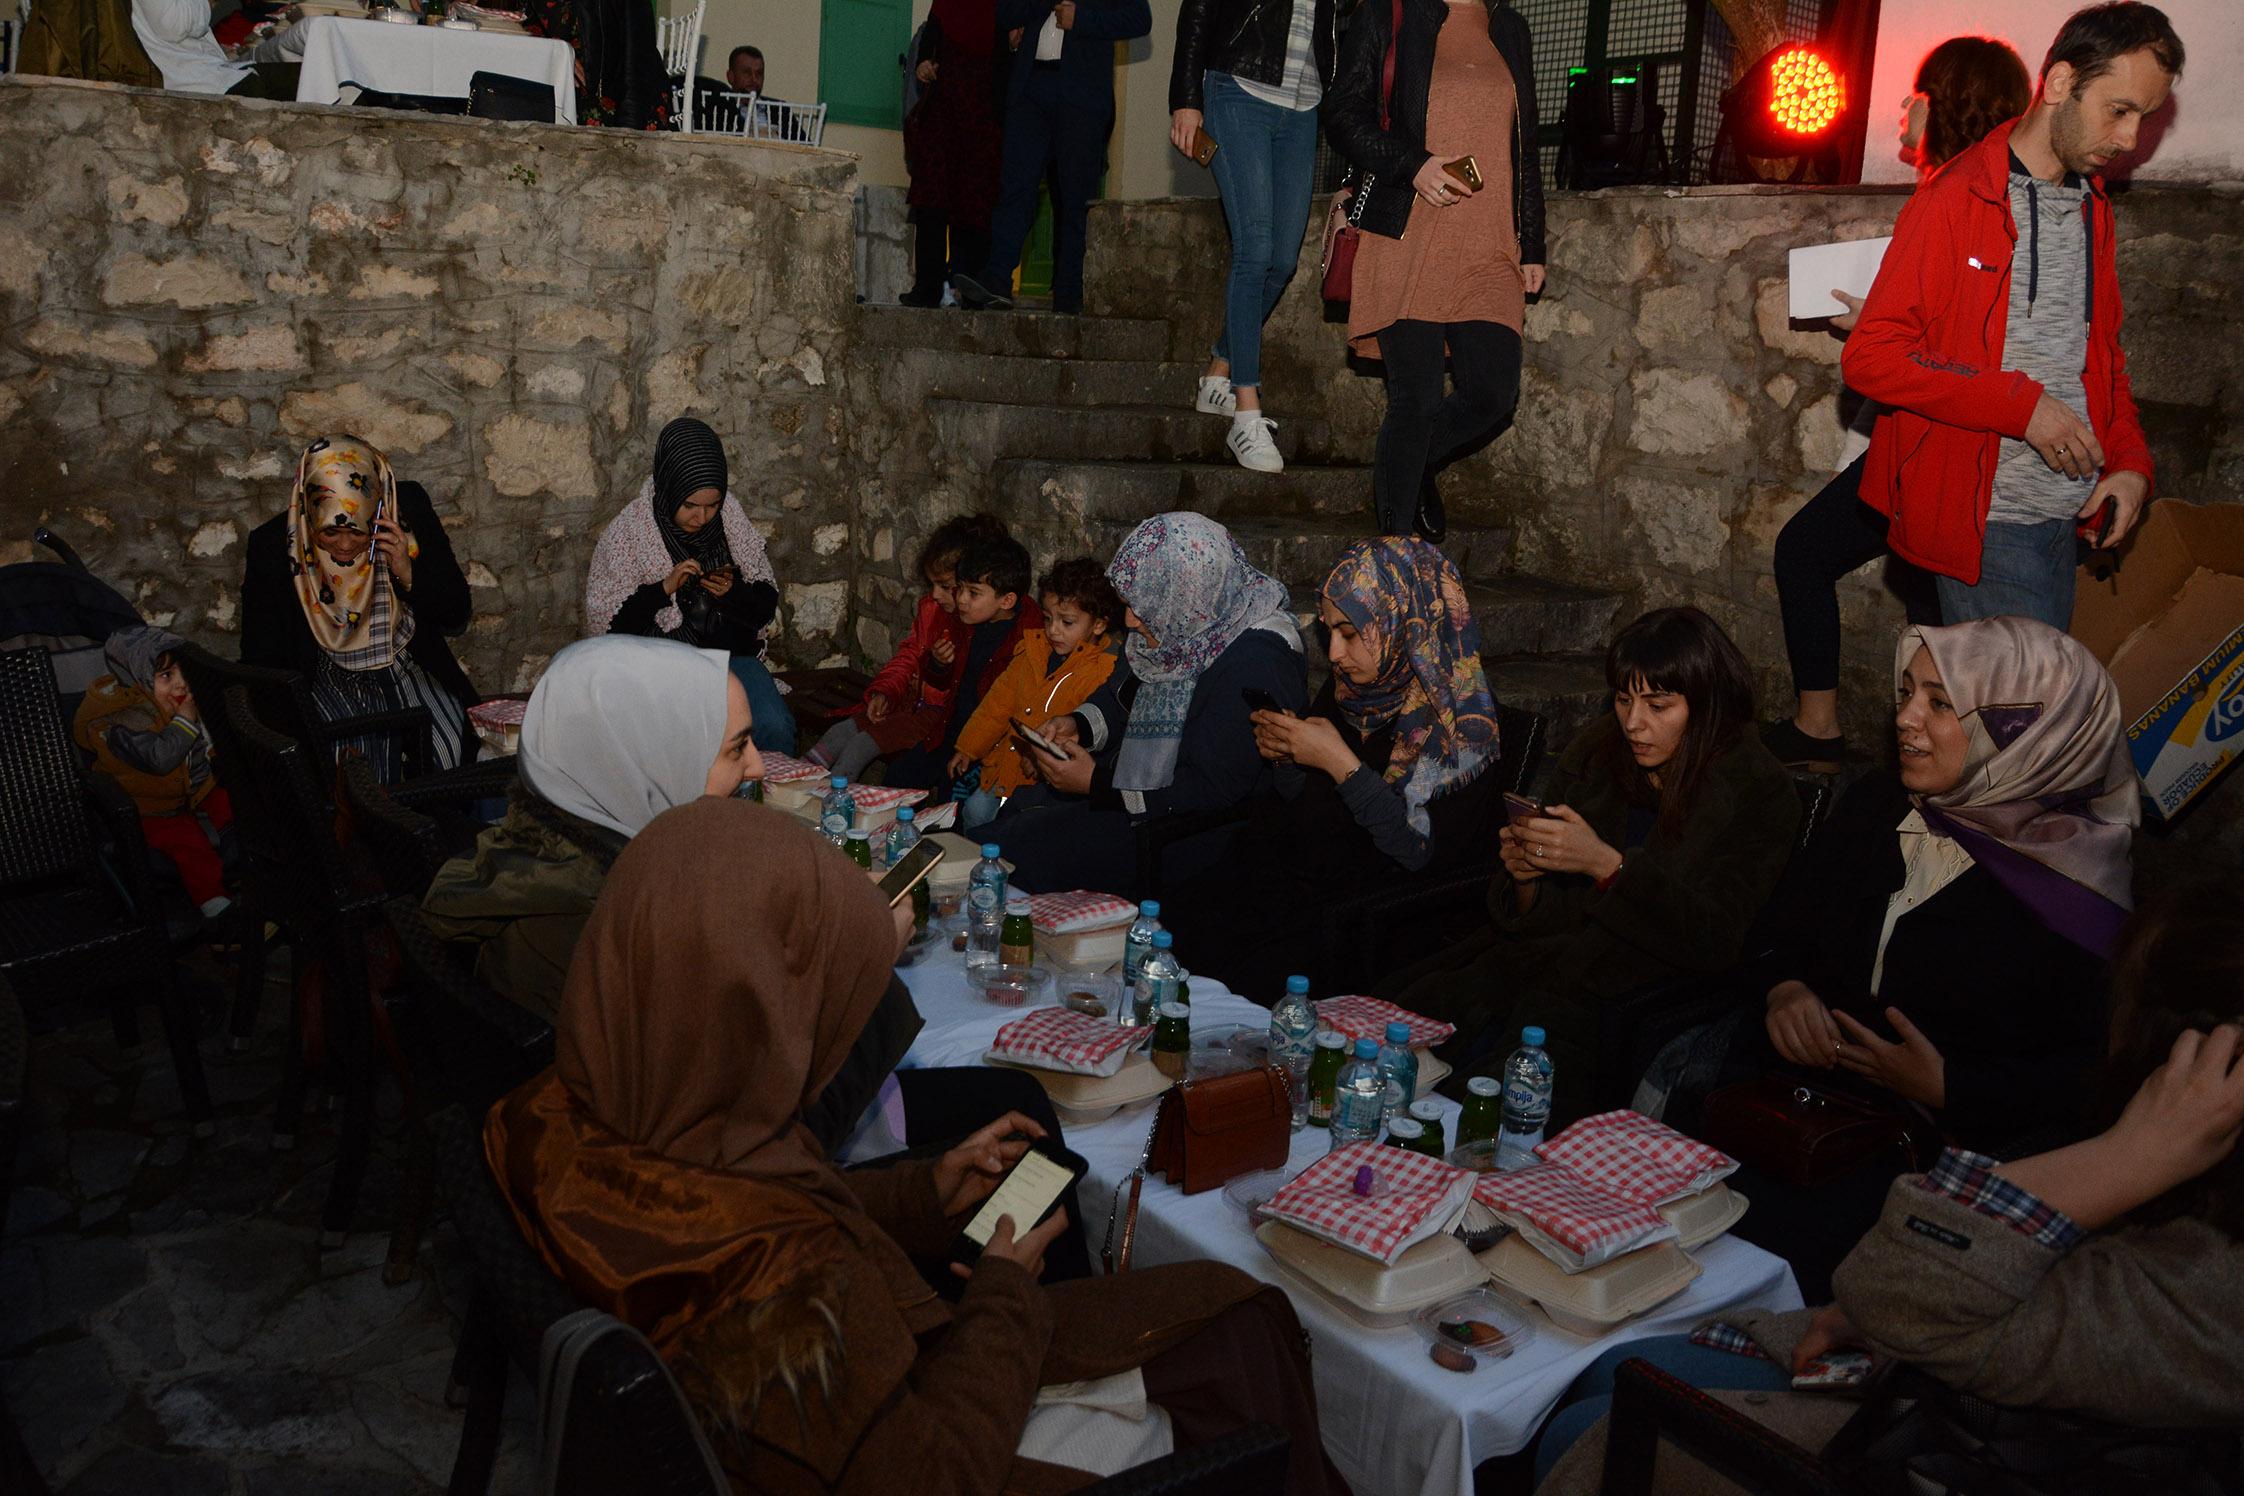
(1250, 442)
(1216, 397)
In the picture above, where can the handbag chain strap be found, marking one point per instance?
(1134, 1181)
(1362, 193)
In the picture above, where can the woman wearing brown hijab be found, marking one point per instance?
(663, 1168)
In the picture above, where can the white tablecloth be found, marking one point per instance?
(1395, 1423)
(429, 60)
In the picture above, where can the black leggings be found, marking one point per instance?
(944, 248)
(1423, 430)
(1831, 535)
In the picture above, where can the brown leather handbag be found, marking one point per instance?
(1340, 247)
(1209, 1132)
(1809, 1135)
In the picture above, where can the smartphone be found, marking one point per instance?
(1036, 1186)
(2097, 528)
(1834, 1371)
(1259, 700)
(1519, 807)
(1031, 738)
(897, 883)
(1203, 147)
(1467, 171)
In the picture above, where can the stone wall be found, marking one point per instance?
(1672, 418)
(191, 288)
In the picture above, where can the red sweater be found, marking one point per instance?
(1930, 345)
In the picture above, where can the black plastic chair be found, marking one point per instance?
(282, 700)
(1650, 1406)
(71, 923)
(403, 844)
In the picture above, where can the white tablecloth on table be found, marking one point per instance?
(429, 60)
(1394, 1422)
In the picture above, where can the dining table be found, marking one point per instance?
(1394, 1422)
(433, 61)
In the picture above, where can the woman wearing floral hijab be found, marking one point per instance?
(1169, 733)
(356, 587)
(1382, 779)
(683, 562)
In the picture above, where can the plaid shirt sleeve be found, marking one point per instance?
(1722, 1336)
(1970, 1179)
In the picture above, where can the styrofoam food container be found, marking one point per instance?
(1594, 1300)
(1431, 1073)
(959, 856)
(1380, 1298)
(1700, 1218)
(1087, 950)
(1517, 1325)
(1092, 1098)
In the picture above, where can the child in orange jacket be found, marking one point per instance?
(1082, 621)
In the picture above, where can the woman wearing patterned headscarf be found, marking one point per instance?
(683, 562)
(1948, 960)
(1169, 733)
(356, 586)
(1384, 778)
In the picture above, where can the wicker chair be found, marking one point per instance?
(15, 1060)
(64, 929)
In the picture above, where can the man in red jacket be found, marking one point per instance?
(1993, 333)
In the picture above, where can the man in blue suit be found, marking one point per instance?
(1059, 109)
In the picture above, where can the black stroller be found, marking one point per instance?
(63, 608)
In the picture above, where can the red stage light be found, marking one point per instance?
(1806, 94)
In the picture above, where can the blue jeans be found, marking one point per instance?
(2025, 571)
(979, 809)
(1265, 164)
(774, 729)
(1704, 1367)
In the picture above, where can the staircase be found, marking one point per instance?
(1083, 426)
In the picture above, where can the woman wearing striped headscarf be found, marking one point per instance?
(683, 562)
(1383, 778)
(356, 587)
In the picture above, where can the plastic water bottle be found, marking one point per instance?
(1400, 1066)
(1359, 1097)
(1527, 1099)
(1160, 978)
(902, 837)
(1293, 1043)
(1138, 944)
(838, 811)
(985, 908)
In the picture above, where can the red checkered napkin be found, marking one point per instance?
(1415, 1198)
(501, 714)
(1637, 1158)
(1368, 1017)
(1074, 913)
(780, 769)
(874, 798)
(1059, 1039)
(1570, 1220)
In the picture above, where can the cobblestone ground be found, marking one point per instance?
(168, 1323)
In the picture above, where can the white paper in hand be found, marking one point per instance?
(1817, 269)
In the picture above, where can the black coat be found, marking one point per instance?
(2016, 1010)
(1245, 38)
(1392, 157)
(275, 632)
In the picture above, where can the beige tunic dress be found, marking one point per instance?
(1458, 263)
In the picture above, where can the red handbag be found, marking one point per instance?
(1340, 249)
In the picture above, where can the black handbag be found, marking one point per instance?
(498, 96)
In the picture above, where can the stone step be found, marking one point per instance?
(1566, 690)
(1519, 616)
(1014, 334)
(1135, 490)
(1025, 380)
(987, 431)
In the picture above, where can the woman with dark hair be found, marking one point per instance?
(1448, 191)
(1947, 960)
(1667, 827)
(683, 562)
(1964, 88)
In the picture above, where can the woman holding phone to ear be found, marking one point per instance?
(1447, 262)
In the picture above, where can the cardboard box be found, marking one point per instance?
(2170, 628)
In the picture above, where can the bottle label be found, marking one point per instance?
(834, 823)
(1357, 1111)
(1524, 1100)
(984, 898)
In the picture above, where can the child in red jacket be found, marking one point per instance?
(909, 701)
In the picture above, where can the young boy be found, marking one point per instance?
(1082, 618)
(993, 581)
(144, 730)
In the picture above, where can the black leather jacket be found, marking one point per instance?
(1391, 157)
(1245, 38)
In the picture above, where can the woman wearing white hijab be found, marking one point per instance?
(619, 730)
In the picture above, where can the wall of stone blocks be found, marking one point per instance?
(192, 288)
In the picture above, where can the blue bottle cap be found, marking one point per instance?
(1298, 986)
(1151, 908)
(1398, 1033)
(990, 850)
(905, 814)
(841, 781)
(1531, 1035)
(1367, 1049)
(1162, 940)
